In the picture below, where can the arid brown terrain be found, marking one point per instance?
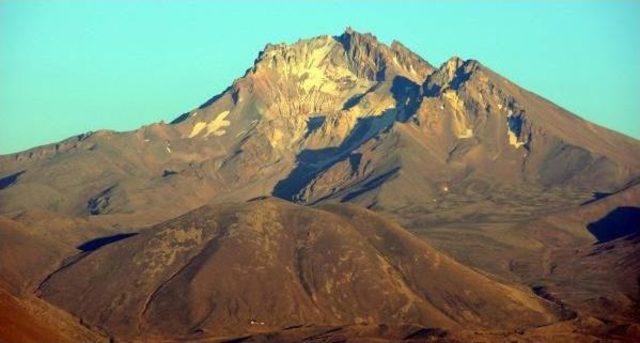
(341, 190)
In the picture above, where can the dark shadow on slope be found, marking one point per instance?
(597, 196)
(97, 243)
(427, 334)
(462, 74)
(408, 97)
(564, 312)
(431, 90)
(100, 202)
(214, 98)
(352, 101)
(313, 124)
(370, 185)
(434, 86)
(289, 187)
(620, 222)
(354, 162)
(180, 118)
(168, 172)
(10, 179)
(601, 195)
(186, 115)
(515, 124)
(312, 163)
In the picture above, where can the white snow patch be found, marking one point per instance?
(214, 127)
(197, 128)
(468, 133)
(513, 139)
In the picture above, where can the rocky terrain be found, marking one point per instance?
(340, 189)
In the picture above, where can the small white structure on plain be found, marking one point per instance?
(168, 149)
(445, 188)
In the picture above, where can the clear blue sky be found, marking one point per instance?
(68, 67)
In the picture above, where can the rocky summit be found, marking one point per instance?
(341, 189)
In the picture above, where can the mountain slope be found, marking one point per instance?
(344, 118)
(330, 265)
(127, 229)
(30, 319)
(466, 125)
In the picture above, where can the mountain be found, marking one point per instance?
(489, 203)
(33, 320)
(343, 118)
(296, 265)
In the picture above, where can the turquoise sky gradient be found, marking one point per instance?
(68, 67)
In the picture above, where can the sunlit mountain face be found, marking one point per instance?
(341, 189)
